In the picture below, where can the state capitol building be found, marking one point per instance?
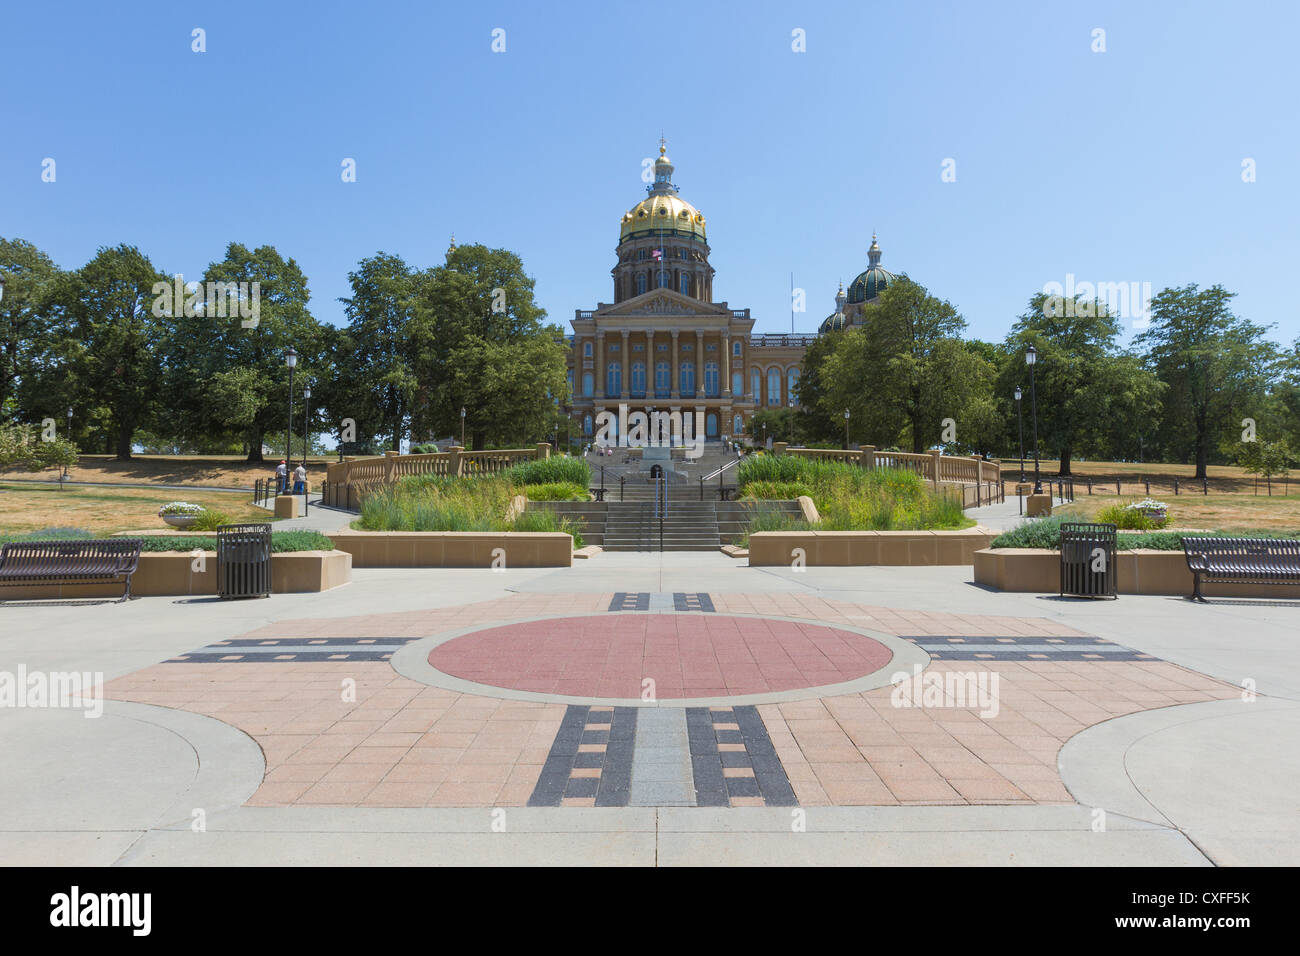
(665, 345)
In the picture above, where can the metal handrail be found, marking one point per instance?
(712, 475)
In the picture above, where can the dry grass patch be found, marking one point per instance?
(215, 470)
(1232, 512)
(25, 508)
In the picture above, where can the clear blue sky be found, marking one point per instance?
(1116, 166)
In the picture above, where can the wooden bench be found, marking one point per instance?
(75, 561)
(1241, 561)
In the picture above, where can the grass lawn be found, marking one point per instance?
(1222, 478)
(1240, 512)
(25, 508)
(214, 470)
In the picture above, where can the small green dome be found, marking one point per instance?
(833, 323)
(871, 283)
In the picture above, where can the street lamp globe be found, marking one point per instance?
(1031, 355)
(291, 358)
(1017, 393)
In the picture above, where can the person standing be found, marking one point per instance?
(299, 479)
(281, 478)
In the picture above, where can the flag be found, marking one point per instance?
(657, 255)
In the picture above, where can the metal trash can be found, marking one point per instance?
(244, 560)
(1088, 560)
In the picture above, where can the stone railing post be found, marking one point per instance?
(779, 447)
(934, 466)
(390, 463)
(543, 449)
(454, 463)
(868, 456)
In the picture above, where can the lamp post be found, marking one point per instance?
(1020, 425)
(846, 429)
(306, 439)
(291, 360)
(1031, 359)
(69, 437)
(2, 287)
(462, 426)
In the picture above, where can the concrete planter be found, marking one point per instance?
(190, 573)
(180, 521)
(456, 549)
(1141, 571)
(854, 548)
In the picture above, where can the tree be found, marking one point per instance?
(482, 346)
(909, 349)
(28, 339)
(777, 424)
(377, 351)
(1265, 459)
(1083, 381)
(1216, 367)
(225, 374)
(21, 446)
(114, 338)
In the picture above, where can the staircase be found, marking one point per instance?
(631, 525)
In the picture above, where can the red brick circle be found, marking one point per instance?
(687, 655)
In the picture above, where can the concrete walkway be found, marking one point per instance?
(1189, 784)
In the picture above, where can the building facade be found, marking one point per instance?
(664, 345)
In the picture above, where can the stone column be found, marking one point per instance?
(626, 365)
(676, 393)
(599, 362)
(699, 362)
(725, 365)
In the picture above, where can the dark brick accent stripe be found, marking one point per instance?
(288, 650)
(614, 730)
(683, 601)
(713, 788)
(1015, 647)
(630, 601)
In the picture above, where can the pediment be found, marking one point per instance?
(660, 302)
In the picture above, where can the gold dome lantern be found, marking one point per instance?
(663, 211)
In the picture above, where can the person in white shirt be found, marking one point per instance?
(299, 479)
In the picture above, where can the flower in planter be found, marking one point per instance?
(182, 509)
(1156, 511)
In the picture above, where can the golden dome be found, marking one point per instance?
(663, 213)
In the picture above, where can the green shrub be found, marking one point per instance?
(208, 520)
(557, 491)
(281, 541)
(1046, 533)
(47, 534)
(776, 490)
(1127, 519)
(542, 520)
(546, 471)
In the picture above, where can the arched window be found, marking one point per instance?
(662, 281)
(711, 379)
(586, 350)
(737, 426)
(586, 424)
(688, 378)
(614, 380)
(735, 349)
(711, 425)
(662, 379)
(774, 386)
(737, 384)
(640, 284)
(685, 285)
(588, 384)
(792, 385)
(638, 379)
(755, 384)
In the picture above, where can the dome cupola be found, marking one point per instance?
(871, 283)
